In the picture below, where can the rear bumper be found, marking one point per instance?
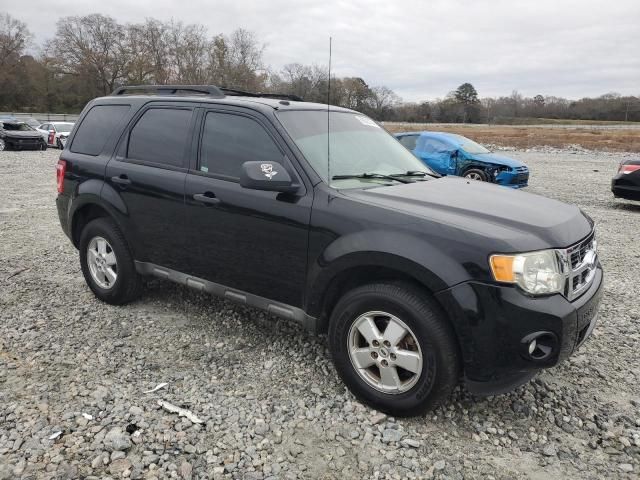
(495, 325)
(62, 205)
(622, 187)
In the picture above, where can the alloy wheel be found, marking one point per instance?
(385, 352)
(102, 263)
(473, 176)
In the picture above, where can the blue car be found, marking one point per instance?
(451, 154)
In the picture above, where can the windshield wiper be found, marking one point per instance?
(371, 175)
(416, 173)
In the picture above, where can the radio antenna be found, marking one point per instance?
(328, 116)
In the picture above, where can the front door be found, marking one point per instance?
(249, 240)
(437, 154)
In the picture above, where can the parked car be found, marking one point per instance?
(451, 154)
(419, 280)
(626, 183)
(15, 135)
(56, 133)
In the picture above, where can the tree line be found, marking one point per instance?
(91, 55)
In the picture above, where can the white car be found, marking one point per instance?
(55, 133)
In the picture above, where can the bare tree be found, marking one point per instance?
(94, 46)
(14, 39)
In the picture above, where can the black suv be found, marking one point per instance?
(320, 216)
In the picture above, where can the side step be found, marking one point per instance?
(238, 296)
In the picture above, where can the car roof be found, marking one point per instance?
(59, 123)
(237, 100)
(428, 133)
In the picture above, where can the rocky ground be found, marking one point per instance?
(73, 371)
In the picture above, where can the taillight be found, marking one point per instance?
(61, 169)
(628, 168)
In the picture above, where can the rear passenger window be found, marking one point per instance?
(160, 136)
(96, 128)
(230, 140)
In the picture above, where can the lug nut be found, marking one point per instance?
(387, 343)
(376, 343)
(393, 356)
(384, 363)
(374, 354)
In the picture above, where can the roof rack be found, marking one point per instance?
(210, 90)
(243, 93)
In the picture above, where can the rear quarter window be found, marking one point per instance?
(97, 127)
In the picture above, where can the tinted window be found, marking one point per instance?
(97, 127)
(160, 136)
(230, 140)
(431, 145)
(409, 141)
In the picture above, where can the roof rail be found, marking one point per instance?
(243, 93)
(210, 90)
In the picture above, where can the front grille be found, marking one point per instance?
(581, 261)
(579, 251)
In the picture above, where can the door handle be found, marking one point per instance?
(206, 197)
(121, 180)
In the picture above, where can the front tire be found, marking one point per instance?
(393, 348)
(476, 174)
(107, 263)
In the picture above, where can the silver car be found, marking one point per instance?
(55, 133)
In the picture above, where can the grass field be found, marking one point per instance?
(597, 137)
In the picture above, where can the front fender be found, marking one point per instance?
(400, 251)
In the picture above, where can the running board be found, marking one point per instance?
(238, 296)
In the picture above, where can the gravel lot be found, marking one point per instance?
(266, 390)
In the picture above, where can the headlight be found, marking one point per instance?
(537, 273)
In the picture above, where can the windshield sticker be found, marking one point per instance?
(367, 121)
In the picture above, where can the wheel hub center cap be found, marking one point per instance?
(384, 352)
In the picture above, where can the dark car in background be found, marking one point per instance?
(626, 183)
(451, 154)
(15, 135)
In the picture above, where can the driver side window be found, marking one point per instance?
(229, 140)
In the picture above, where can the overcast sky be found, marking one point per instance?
(421, 49)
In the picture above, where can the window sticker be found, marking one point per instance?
(367, 121)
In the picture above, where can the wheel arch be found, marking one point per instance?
(362, 268)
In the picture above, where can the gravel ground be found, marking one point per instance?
(271, 402)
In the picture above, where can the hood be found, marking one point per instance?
(513, 220)
(497, 159)
(19, 134)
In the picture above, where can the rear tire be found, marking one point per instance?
(476, 174)
(428, 349)
(107, 264)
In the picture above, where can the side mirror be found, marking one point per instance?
(269, 176)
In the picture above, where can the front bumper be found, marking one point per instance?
(515, 179)
(493, 323)
(22, 143)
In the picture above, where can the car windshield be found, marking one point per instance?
(357, 145)
(17, 127)
(63, 127)
(469, 145)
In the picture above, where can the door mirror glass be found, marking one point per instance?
(269, 176)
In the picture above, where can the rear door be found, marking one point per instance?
(250, 240)
(148, 175)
